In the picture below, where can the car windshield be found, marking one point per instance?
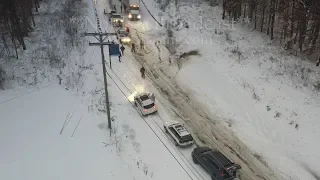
(116, 16)
(134, 8)
(144, 97)
(148, 106)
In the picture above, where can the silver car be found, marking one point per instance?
(145, 102)
(124, 36)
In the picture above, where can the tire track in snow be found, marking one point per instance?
(155, 128)
(156, 123)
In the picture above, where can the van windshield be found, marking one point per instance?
(134, 8)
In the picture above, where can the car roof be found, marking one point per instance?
(144, 97)
(180, 129)
(147, 102)
(218, 157)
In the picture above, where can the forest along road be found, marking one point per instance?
(206, 128)
(127, 78)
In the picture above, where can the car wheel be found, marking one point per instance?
(135, 103)
(195, 160)
(176, 143)
(213, 177)
(165, 129)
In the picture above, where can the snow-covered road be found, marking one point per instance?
(126, 77)
(52, 132)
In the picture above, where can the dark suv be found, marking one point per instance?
(215, 163)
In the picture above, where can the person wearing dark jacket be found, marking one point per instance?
(119, 57)
(142, 71)
(141, 45)
(122, 48)
(133, 47)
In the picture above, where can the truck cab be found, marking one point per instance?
(134, 12)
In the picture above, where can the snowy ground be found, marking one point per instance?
(52, 131)
(241, 83)
(242, 95)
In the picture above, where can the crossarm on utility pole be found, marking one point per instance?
(100, 44)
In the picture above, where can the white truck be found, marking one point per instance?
(134, 12)
(132, 8)
(145, 102)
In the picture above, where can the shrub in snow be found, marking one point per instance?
(170, 41)
(190, 53)
(163, 4)
(183, 56)
(254, 95)
(228, 36)
(236, 51)
(2, 77)
(317, 85)
(277, 115)
(268, 108)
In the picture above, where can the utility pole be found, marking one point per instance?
(101, 37)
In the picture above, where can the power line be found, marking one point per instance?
(151, 13)
(150, 127)
(100, 36)
(200, 115)
(163, 132)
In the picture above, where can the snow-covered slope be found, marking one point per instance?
(59, 131)
(267, 97)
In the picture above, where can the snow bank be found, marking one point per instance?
(261, 93)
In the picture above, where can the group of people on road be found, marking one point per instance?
(122, 48)
(123, 7)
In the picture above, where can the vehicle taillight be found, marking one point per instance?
(155, 106)
(145, 110)
(221, 173)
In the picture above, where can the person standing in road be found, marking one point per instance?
(141, 45)
(133, 47)
(125, 8)
(122, 48)
(142, 71)
(119, 57)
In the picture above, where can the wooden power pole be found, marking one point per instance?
(101, 38)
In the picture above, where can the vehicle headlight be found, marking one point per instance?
(121, 20)
(126, 40)
(130, 15)
(139, 16)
